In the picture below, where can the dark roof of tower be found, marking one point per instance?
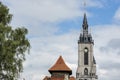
(60, 66)
(85, 36)
(85, 24)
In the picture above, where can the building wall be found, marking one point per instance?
(91, 67)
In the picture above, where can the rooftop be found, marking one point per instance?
(60, 66)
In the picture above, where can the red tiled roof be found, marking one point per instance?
(60, 66)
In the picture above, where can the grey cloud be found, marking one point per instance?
(110, 65)
(104, 49)
(114, 44)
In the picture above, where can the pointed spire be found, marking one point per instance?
(85, 24)
(85, 18)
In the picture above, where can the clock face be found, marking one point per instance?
(85, 50)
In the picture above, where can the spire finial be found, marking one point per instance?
(84, 3)
(85, 6)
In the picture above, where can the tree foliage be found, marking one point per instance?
(13, 46)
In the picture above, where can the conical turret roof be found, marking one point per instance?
(60, 66)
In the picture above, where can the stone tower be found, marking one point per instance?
(86, 69)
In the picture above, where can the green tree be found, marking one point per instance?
(13, 46)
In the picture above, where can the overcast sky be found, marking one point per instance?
(54, 27)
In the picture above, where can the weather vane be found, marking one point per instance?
(84, 4)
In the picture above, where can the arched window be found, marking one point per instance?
(86, 56)
(85, 71)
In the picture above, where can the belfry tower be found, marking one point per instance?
(86, 69)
